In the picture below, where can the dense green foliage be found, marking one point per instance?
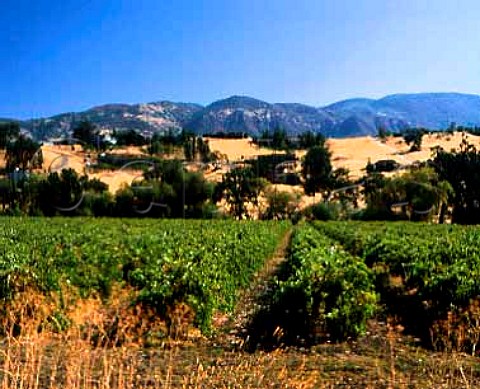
(329, 293)
(438, 265)
(317, 169)
(239, 187)
(200, 263)
(414, 137)
(165, 189)
(462, 170)
(271, 167)
(23, 153)
(8, 132)
(418, 195)
(86, 132)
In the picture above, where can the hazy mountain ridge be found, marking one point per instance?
(352, 117)
(150, 117)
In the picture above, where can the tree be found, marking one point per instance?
(240, 187)
(198, 191)
(317, 169)
(280, 205)
(418, 195)
(8, 132)
(204, 150)
(96, 186)
(19, 193)
(383, 133)
(190, 147)
(462, 170)
(24, 153)
(155, 148)
(180, 193)
(195, 147)
(61, 192)
(278, 139)
(86, 132)
(414, 136)
(130, 138)
(310, 139)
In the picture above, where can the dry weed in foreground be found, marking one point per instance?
(85, 356)
(57, 361)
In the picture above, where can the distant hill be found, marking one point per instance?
(353, 117)
(150, 117)
(253, 116)
(395, 112)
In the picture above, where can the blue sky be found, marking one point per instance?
(69, 55)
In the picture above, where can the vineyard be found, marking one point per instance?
(158, 267)
(427, 275)
(120, 291)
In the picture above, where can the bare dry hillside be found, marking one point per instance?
(353, 153)
(237, 149)
(350, 153)
(56, 158)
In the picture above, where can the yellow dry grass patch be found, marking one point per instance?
(128, 150)
(116, 179)
(354, 153)
(444, 140)
(57, 158)
(237, 149)
(350, 153)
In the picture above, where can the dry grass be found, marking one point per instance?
(116, 179)
(350, 153)
(354, 153)
(56, 158)
(237, 149)
(376, 361)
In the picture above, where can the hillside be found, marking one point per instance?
(350, 153)
(244, 114)
(354, 153)
(353, 117)
(149, 118)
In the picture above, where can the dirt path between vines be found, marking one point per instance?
(232, 329)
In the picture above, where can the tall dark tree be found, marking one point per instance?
(310, 139)
(462, 170)
(204, 150)
(383, 133)
(24, 153)
(155, 147)
(62, 193)
(190, 147)
(8, 132)
(276, 139)
(317, 170)
(414, 137)
(240, 187)
(86, 132)
(280, 139)
(130, 138)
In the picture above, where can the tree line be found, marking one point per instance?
(445, 187)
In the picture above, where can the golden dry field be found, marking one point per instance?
(350, 153)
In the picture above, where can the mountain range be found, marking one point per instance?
(353, 117)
